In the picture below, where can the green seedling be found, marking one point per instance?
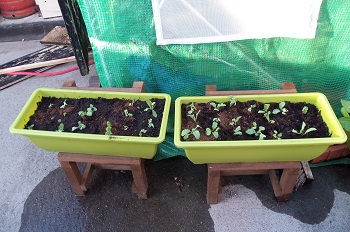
(151, 106)
(281, 109)
(108, 128)
(237, 131)
(142, 131)
(187, 132)
(303, 131)
(251, 107)
(214, 128)
(235, 120)
(346, 105)
(345, 121)
(266, 113)
(80, 126)
(89, 111)
(190, 112)
(217, 106)
(30, 127)
(64, 104)
(51, 105)
(277, 135)
(60, 127)
(192, 115)
(64, 114)
(191, 106)
(305, 109)
(232, 101)
(150, 123)
(127, 114)
(133, 101)
(125, 128)
(253, 131)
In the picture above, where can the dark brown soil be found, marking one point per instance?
(49, 115)
(284, 124)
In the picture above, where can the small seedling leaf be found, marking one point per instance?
(345, 123)
(250, 131)
(154, 113)
(196, 134)
(346, 105)
(305, 109)
(207, 131)
(310, 130)
(216, 134)
(185, 132)
(276, 111)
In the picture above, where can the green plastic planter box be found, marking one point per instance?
(261, 150)
(127, 146)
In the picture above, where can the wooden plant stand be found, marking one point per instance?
(282, 187)
(80, 182)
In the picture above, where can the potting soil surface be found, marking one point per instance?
(233, 122)
(126, 117)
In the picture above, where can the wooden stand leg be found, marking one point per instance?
(213, 186)
(283, 189)
(87, 176)
(73, 175)
(140, 185)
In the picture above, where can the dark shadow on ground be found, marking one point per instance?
(177, 201)
(311, 203)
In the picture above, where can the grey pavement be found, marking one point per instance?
(35, 194)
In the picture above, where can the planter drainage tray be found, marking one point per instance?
(126, 146)
(303, 149)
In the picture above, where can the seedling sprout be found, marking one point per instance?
(108, 128)
(89, 111)
(127, 114)
(142, 131)
(253, 131)
(64, 104)
(302, 132)
(151, 106)
(281, 109)
(150, 123)
(187, 132)
(214, 128)
(80, 126)
(305, 109)
(217, 106)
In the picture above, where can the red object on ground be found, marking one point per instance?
(15, 9)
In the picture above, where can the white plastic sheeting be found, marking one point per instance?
(208, 21)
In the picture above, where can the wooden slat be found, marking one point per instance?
(90, 158)
(244, 172)
(253, 166)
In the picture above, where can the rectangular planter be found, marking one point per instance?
(260, 150)
(127, 146)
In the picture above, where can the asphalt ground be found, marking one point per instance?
(36, 196)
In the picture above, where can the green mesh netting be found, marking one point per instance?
(123, 40)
